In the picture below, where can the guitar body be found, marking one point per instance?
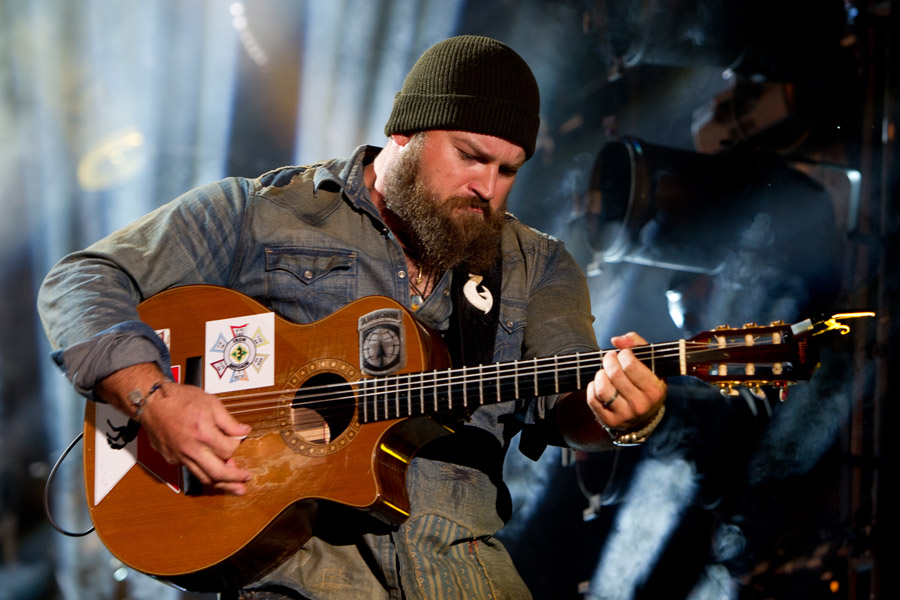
(204, 540)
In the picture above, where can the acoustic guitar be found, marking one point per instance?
(338, 408)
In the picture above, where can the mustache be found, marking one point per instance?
(462, 202)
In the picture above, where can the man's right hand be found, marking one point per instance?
(185, 424)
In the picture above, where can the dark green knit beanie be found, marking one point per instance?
(470, 83)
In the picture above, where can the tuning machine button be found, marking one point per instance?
(782, 390)
(727, 389)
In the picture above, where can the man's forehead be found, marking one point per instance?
(489, 146)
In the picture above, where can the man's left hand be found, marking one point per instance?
(625, 393)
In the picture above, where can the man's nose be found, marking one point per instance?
(484, 183)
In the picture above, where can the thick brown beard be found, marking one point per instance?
(440, 240)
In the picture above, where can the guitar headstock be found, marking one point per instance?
(776, 355)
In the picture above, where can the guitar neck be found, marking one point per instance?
(448, 390)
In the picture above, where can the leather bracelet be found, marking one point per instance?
(636, 438)
(139, 402)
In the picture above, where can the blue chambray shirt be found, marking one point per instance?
(306, 241)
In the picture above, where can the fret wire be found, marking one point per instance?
(578, 370)
(449, 389)
(365, 404)
(498, 383)
(555, 374)
(374, 392)
(516, 377)
(465, 392)
(435, 392)
(397, 399)
(536, 378)
(408, 395)
(481, 384)
(422, 393)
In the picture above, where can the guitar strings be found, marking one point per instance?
(486, 372)
(335, 396)
(403, 382)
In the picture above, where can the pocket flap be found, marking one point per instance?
(309, 264)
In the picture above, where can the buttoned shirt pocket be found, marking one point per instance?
(306, 284)
(510, 332)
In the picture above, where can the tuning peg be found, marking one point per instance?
(782, 391)
(749, 325)
(721, 327)
(777, 323)
(727, 389)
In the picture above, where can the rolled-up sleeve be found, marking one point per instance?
(123, 345)
(88, 301)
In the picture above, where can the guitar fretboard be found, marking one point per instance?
(448, 390)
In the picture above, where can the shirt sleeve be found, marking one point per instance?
(560, 322)
(88, 301)
(123, 345)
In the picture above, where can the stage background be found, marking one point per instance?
(762, 133)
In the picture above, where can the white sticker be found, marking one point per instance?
(166, 336)
(115, 448)
(240, 353)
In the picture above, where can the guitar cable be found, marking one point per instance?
(50, 478)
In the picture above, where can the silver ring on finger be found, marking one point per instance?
(607, 403)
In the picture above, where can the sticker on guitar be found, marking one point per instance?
(240, 353)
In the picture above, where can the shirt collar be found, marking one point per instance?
(348, 175)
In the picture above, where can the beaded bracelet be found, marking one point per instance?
(636, 438)
(140, 402)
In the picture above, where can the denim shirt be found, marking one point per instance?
(306, 241)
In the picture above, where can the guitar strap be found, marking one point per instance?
(476, 312)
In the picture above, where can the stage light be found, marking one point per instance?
(112, 161)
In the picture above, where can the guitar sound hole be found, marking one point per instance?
(322, 408)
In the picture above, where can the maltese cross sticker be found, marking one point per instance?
(240, 353)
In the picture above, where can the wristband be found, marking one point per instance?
(139, 402)
(635, 438)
